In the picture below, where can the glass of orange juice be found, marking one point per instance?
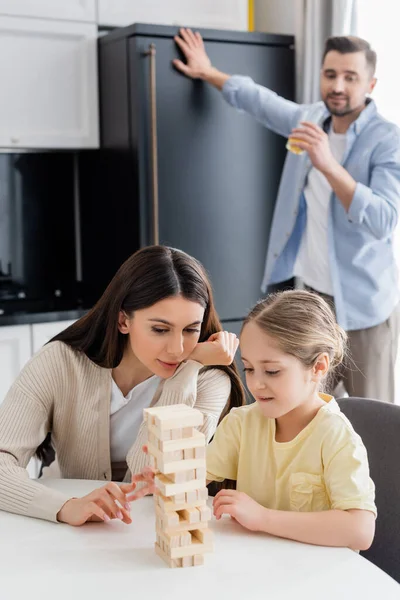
(291, 143)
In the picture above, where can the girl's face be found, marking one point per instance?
(164, 334)
(278, 381)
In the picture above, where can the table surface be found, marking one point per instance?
(112, 561)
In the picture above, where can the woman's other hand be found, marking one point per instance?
(219, 349)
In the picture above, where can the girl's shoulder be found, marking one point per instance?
(335, 426)
(246, 415)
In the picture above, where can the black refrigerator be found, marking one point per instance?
(179, 166)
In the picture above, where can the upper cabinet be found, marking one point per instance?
(215, 14)
(71, 10)
(49, 93)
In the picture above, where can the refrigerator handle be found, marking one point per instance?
(151, 53)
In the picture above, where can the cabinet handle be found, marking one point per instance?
(151, 53)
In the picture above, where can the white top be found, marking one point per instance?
(312, 263)
(126, 415)
(39, 559)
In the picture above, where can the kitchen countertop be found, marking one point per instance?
(43, 317)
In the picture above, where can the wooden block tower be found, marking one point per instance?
(177, 451)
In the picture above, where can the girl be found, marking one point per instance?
(145, 342)
(301, 470)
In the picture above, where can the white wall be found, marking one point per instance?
(276, 16)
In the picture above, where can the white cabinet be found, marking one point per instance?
(43, 332)
(48, 75)
(15, 351)
(71, 10)
(216, 14)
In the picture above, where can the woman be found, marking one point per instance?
(146, 341)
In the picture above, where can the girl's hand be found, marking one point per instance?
(240, 507)
(197, 61)
(219, 349)
(105, 503)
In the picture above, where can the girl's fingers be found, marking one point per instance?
(225, 493)
(223, 509)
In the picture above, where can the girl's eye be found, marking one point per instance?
(272, 372)
(247, 370)
(158, 330)
(193, 330)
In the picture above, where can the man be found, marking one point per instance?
(338, 202)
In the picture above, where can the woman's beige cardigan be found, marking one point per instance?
(62, 391)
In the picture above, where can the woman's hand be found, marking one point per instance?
(197, 61)
(147, 477)
(103, 504)
(219, 349)
(240, 507)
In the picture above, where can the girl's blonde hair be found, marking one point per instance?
(303, 325)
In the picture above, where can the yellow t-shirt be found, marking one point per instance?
(324, 467)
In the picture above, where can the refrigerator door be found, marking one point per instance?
(218, 169)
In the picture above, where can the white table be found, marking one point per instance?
(114, 561)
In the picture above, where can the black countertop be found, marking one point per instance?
(44, 317)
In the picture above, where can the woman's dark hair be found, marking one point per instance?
(148, 276)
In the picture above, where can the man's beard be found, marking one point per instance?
(338, 112)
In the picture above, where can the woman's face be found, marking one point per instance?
(164, 334)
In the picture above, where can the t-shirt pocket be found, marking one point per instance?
(308, 493)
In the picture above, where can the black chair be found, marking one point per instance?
(378, 424)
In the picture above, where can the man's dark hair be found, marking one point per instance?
(347, 44)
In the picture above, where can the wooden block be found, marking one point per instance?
(185, 538)
(187, 561)
(174, 416)
(173, 462)
(205, 536)
(152, 439)
(170, 519)
(195, 548)
(199, 452)
(172, 563)
(198, 560)
(196, 440)
(181, 465)
(184, 527)
(184, 476)
(176, 434)
(205, 513)
(189, 453)
(192, 515)
(168, 488)
(188, 432)
(179, 498)
(191, 497)
(202, 494)
(200, 473)
(168, 505)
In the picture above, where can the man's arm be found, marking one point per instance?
(272, 111)
(198, 65)
(375, 206)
